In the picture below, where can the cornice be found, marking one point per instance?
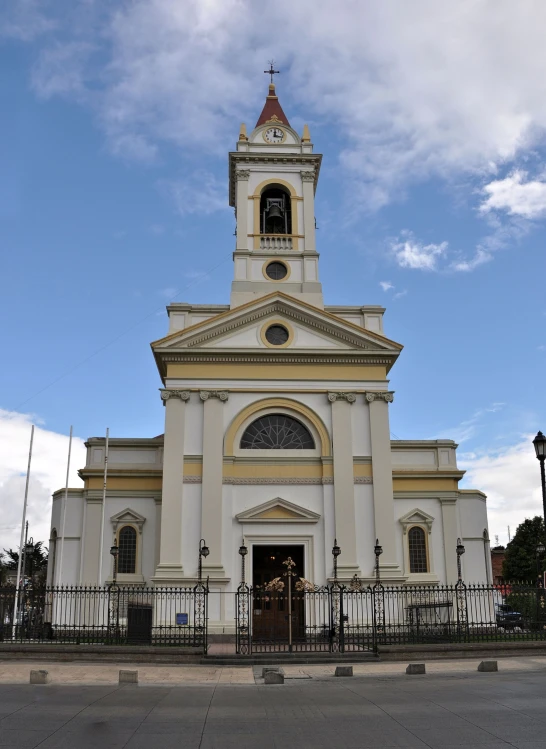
(424, 474)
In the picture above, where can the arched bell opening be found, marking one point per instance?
(275, 211)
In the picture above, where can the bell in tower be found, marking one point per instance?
(275, 212)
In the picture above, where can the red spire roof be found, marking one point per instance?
(272, 109)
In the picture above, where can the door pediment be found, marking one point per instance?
(278, 510)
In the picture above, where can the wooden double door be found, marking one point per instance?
(271, 606)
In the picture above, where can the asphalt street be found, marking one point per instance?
(473, 710)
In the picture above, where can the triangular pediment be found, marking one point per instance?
(416, 517)
(278, 511)
(311, 328)
(127, 517)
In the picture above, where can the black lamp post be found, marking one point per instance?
(377, 550)
(114, 551)
(29, 548)
(243, 551)
(460, 551)
(203, 552)
(336, 551)
(540, 451)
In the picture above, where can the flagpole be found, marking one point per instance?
(101, 540)
(18, 582)
(64, 515)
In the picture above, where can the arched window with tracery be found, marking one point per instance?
(277, 432)
(417, 544)
(275, 211)
(127, 543)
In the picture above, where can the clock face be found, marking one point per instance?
(274, 135)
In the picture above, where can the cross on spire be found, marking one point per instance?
(271, 70)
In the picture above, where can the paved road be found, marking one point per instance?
(473, 710)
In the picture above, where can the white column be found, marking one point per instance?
(169, 569)
(450, 528)
(211, 487)
(383, 498)
(242, 176)
(308, 182)
(344, 493)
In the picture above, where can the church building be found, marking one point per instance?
(276, 426)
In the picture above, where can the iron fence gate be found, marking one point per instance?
(112, 615)
(360, 619)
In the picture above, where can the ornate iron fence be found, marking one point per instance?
(114, 615)
(360, 619)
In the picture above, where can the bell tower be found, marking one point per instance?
(273, 176)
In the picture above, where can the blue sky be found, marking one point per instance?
(431, 201)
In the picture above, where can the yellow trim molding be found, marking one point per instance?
(276, 371)
(267, 403)
(283, 324)
(426, 485)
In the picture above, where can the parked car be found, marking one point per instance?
(506, 616)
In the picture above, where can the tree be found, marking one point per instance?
(520, 561)
(35, 562)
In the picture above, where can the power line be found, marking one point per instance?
(117, 338)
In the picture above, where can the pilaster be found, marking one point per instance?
(344, 496)
(308, 189)
(242, 176)
(169, 569)
(211, 488)
(383, 499)
(450, 529)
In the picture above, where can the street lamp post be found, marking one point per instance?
(114, 551)
(243, 551)
(336, 551)
(460, 551)
(203, 552)
(540, 451)
(377, 550)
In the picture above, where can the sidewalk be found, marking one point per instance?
(104, 674)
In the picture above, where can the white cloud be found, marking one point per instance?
(516, 196)
(481, 256)
(48, 473)
(199, 192)
(61, 70)
(411, 253)
(510, 477)
(415, 89)
(386, 285)
(24, 20)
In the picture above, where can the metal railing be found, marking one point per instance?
(112, 615)
(361, 619)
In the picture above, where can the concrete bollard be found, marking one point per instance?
(344, 671)
(39, 677)
(273, 677)
(271, 669)
(488, 666)
(128, 677)
(416, 668)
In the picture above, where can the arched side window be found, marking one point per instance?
(127, 543)
(277, 432)
(417, 544)
(275, 211)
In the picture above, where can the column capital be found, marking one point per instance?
(349, 397)
(184, 395)
(307, 176)
(222, 395)
(380, 395)
(243, 174)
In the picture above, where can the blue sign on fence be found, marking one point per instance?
(182, 619)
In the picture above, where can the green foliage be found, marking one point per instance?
(520, 561)
(35, 562)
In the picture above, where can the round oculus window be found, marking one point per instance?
(276, 271)
(276, 335)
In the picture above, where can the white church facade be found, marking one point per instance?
(276, 426)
